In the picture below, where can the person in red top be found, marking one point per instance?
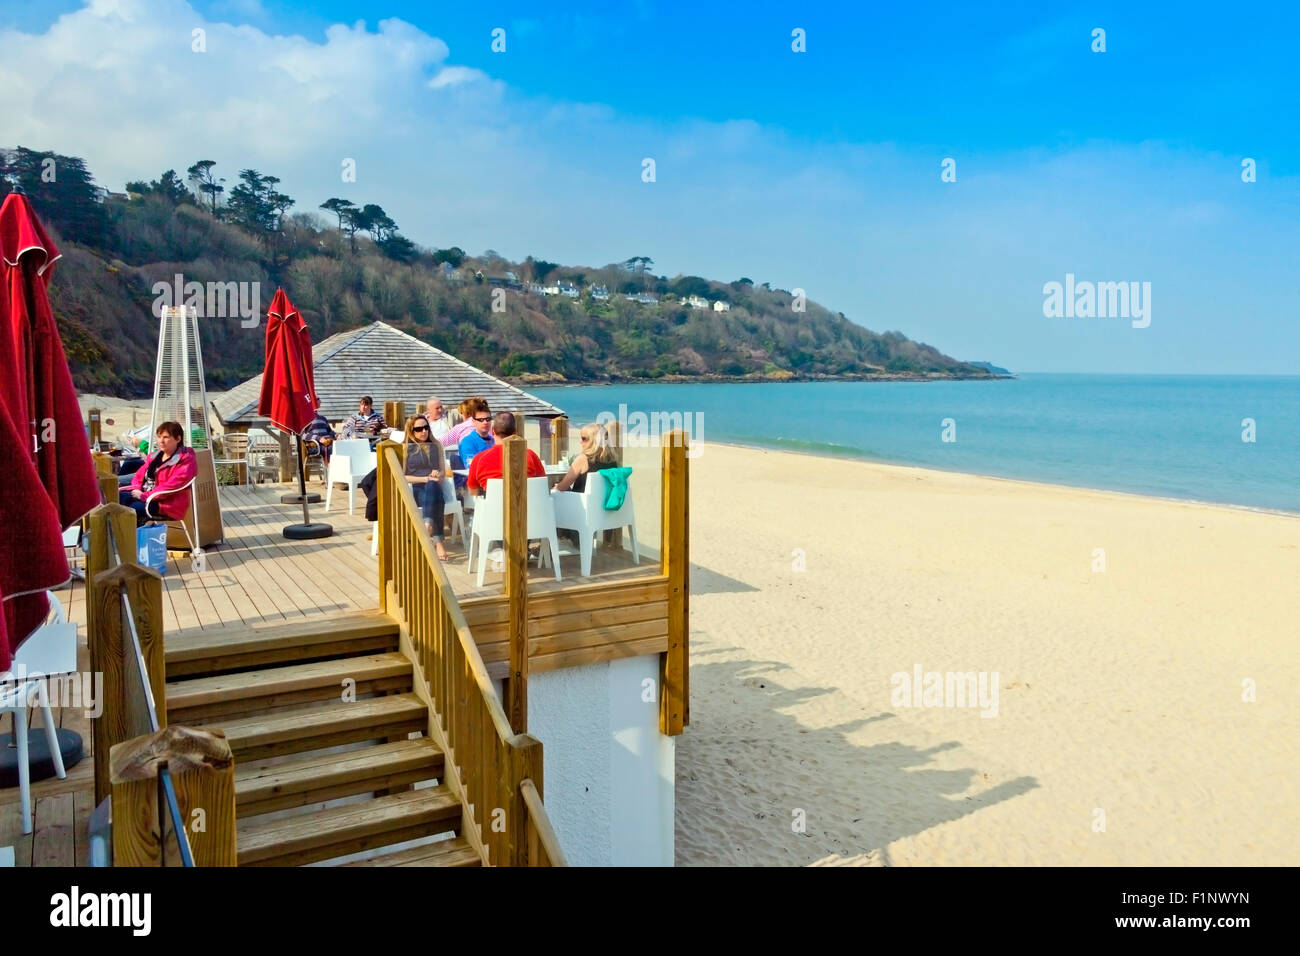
(487, 464)
(173, 467)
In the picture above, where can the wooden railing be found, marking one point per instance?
(496, 772)
(153, 801)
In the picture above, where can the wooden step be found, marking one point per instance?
(454, 852)
(322, 777)
(203, 700)
(195, 652)
(337, 722)
(311, 837)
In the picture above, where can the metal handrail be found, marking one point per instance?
(168, 804)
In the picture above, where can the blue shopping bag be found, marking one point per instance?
(151, 546)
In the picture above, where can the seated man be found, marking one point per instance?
(173, 467)
(478, 438)
(489, 464)
(366, 422)
(467, 409)
(438, 424)
(320, 434)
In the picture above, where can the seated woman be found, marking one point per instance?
(424, 470)
(596, 455)
(173, 467)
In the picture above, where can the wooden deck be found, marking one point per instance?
(256, 577)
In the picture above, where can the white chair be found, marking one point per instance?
(489, 524)
(351, 461)
(585, 513)
(452, 506)
(52, 649)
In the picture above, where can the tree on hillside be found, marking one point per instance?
(639, 265)
(257, 205)
(454, 256)
(398, 248)
(168, 186)
(339, 207)
(61, 189)
(374, 220)
(540, 268)
(205, 183)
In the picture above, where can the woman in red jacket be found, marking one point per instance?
(153, 491)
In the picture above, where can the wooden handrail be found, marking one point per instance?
(543, 844)
(486, 761)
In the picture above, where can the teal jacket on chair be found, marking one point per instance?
(615, 487)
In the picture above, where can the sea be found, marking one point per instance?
(1216, 438)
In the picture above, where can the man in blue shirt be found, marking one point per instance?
(480, 439)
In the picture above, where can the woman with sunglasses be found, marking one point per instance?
(596, 455)
(424, 470)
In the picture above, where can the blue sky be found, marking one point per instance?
(818, 170)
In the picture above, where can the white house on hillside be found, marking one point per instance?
(696, 302)
(721, 306)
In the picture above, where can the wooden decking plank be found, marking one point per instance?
(297, 572)
(277, 734)
(53, 843)
(83, 805)
(259, 636)
(348, 829)
(453, 852)
(315, 779)
(187, 694)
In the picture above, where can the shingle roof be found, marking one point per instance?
(390, 366)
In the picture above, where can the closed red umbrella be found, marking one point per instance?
(288, 396)
(46, 448)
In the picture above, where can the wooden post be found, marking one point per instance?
(108, 488)
(526, 761)
(559, 439)
(387, 523)
(613, 540)
(286, 455)
(675, 560)
(395, 415)
(98, 559)
(515, 479)
(113, 655)
(203, 774)
(93, 423)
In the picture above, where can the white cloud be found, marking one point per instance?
(457, 156)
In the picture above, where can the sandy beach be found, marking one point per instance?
(1121, 736)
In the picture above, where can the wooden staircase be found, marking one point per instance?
(331, 746)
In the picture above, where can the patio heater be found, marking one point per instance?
(179, 395)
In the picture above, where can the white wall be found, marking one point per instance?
(608, 771)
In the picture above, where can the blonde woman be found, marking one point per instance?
(596, 455)
(424, 470)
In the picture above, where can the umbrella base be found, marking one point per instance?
(38, 755)
(312, 499)
(306, 532)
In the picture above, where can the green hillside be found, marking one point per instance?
(347, 265)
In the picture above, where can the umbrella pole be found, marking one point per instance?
(302, 478)
(306, 530)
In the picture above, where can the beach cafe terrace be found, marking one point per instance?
(343, 701)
